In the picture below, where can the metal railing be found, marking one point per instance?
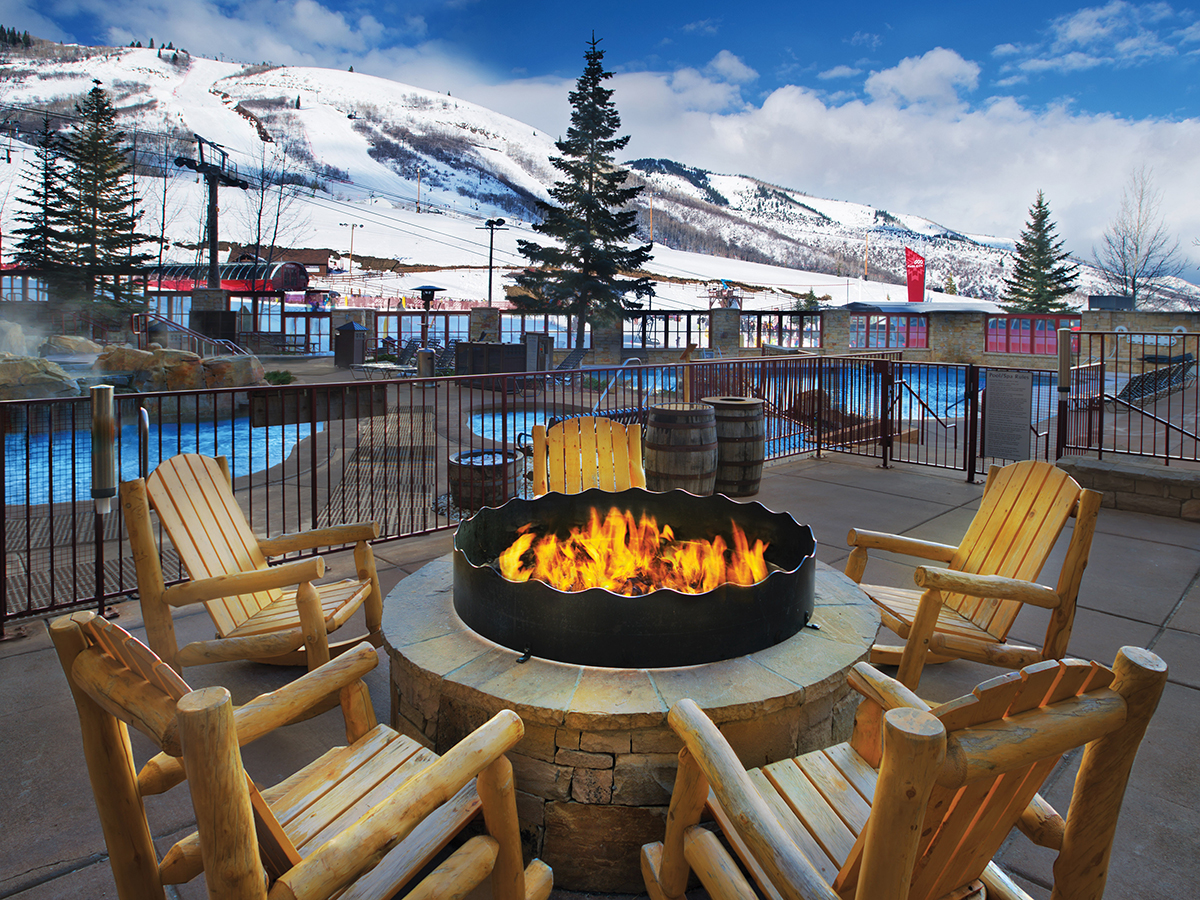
(179, 337)
(307, 456)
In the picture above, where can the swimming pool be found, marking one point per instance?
(57, 467)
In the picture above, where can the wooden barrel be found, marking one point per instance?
(482, 478)
(681, 448)
(741, 445)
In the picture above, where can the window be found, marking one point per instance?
(1027, 334)
(889, 331)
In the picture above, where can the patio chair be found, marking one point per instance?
(262, 613)
(408, 356)
(965, 611)
(919, 800)
(362, 818)
(587, 452)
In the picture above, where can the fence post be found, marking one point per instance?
(886, 410)
(972, 412)
(312, 455)
(1064, 388)
(821, 362)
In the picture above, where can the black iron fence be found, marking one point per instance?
(418, 455)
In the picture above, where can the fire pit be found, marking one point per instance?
(595, 768)
(661, 628)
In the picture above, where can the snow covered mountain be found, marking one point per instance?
(345, 138)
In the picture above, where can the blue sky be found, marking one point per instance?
(960, 112)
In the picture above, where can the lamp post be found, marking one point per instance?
(491, 225)
(351, 226)
(427, 291)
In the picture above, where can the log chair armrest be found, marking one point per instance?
(882, 689)
(286, 575)
(282, 706)
(744, 806)
(894, 543)
(339, 861)
(987, 586)
(319, 537)
(269, 711)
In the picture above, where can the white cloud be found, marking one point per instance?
(866, 39)
(839, 72)
(704, 26)
(731, 68)
(935, 77)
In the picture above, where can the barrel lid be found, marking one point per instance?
(734, 401)
(681, 407)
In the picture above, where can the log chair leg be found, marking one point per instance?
(916, 648)
(914, 745)
(496, 793)
(856, 564)
(312, 623)
(364, 563)
(687, 804)
(220, 797)
(109, 757)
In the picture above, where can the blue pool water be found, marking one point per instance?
(57, 468)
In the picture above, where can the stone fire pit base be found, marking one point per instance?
(595, 769)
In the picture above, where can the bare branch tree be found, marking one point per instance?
(1138, 255)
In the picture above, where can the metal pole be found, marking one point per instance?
(214, 272)
(1064, 387)
(491, 250)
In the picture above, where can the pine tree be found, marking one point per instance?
(1041, 275)
(579, 276)
(101, 219)
(948, 286)
(42, 216)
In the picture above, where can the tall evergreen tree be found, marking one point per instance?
(43, 208)
(580, 275)
(1041, 275)
(101, 217)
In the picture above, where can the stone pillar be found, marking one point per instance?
(723, 334)
(608, 341)
(485, 323)
(207, 298)
(835, 330)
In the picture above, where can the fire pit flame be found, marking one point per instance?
(632, 556)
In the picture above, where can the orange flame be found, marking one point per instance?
(632, 557)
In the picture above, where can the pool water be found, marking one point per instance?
(57, 467)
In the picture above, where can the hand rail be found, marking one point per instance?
(631, 361)
(195, 340)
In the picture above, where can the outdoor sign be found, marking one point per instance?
(915, 264)
(1008, 410)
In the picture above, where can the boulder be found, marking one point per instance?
(12, 339)
(233, 371)
(123, 359)
(30, 378)
(69, 343)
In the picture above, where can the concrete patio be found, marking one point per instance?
(1141, 588)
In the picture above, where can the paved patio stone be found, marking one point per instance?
(1143, 568)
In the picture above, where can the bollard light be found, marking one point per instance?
(104, 448)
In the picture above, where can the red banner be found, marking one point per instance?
(915, 263)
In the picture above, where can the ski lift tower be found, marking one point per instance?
(722, 296)
(217, 170)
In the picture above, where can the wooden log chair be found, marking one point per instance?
(272, 614)
(919, 800)
(362, 819)
(965, 611)
(587, 452)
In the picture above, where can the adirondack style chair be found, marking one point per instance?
(363, 818)
(587, 452)
(965, 611)
(268, 614)
(919, 800)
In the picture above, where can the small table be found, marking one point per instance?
(382, 370)
(594, 770)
